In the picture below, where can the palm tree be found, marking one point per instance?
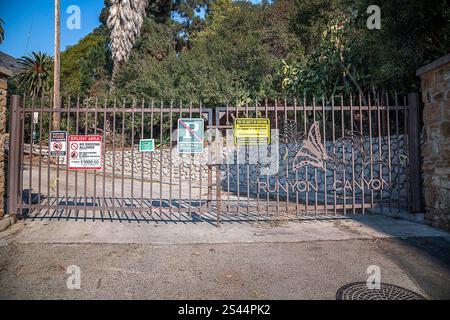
(125, 22)
(2, 31)
(36, 75)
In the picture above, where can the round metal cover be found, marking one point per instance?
(359, 291)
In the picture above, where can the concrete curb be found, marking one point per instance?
(6, 221)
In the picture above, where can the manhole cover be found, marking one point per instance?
(359, 291)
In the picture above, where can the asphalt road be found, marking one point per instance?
(303, 270)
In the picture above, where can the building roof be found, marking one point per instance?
(10, 63)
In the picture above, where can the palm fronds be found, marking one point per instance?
(125, 22)
(36, 75)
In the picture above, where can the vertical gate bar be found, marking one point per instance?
(76, 171)
(86, 115)
(258, 166)
(287, 161)
(296, 172)
(48, 160)
(227, 118)
(200, 165)
(397, 133)
(170, 159)
(414, 153)
(370, 148)
(363, 201)
(58, 163)
(133, 111)
(266, 114)
(218, 196)
(179, 168)
(333, 124)
(21, 156)
(238, 173)
(122, 178)
(40, 153)
(105, 143)
(343, 153)
(190, 170)
(67, 155)
(13, 155)
(151, 158)
(94, 200)
(315, 170)
(389, 148)
(353, 156)
(325, 146)
(142, 161)
(30, 179)
(278, 174)
(161, 146)
(247, 163)
(380, 167)
(113, 136)
(405, 108)
(305, 116)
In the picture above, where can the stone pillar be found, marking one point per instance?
(435, 79)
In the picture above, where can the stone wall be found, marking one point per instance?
(3, 140)
(436, 141)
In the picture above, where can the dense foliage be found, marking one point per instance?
(36, 76)
(214, 51)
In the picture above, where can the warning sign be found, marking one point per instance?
(58, 143)
(190, 135)
(251, 131)
(85, 152)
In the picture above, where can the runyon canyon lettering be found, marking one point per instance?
(374, 184)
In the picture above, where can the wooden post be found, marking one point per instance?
(56, 68)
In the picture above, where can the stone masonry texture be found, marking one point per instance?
(436, 143)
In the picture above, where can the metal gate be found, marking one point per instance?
(347, 155)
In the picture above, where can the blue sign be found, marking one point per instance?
(190, 135)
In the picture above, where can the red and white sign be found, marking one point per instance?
(85, 152)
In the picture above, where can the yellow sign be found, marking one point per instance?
(251, 131)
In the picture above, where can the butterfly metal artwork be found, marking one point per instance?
(312, 151)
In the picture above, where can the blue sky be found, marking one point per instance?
(23, 16)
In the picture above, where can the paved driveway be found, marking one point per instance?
(310, 259)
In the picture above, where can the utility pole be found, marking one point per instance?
(56, 67)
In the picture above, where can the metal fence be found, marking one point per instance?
(348, 155)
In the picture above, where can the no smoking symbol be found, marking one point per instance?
(74, 146)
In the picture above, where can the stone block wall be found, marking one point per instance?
(3, 140)
(435, 80)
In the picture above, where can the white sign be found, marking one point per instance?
(58, 145)
(85, 153)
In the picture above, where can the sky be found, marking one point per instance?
(29, 24)
(23, 16)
